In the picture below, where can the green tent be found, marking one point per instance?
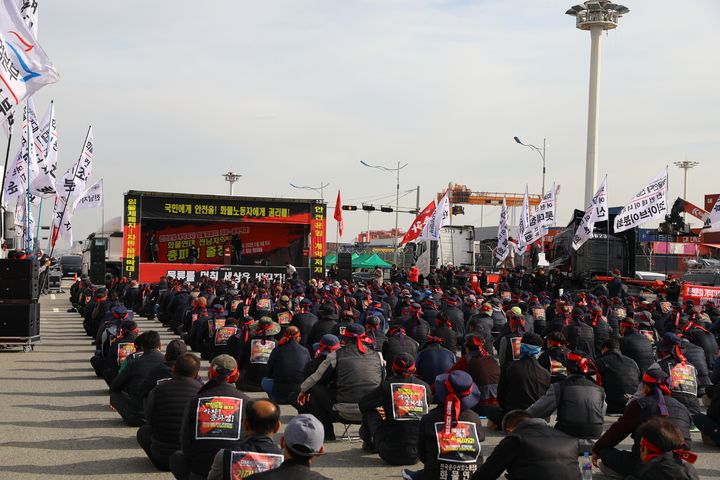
(373, 261)
(330, 260)
(357, 261)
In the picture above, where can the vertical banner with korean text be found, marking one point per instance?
(317, 240)
(131, 237)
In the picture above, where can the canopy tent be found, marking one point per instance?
(356, 261)
(372, 261)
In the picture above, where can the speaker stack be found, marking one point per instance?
(19, 307)
(97, 264)
(344, 263)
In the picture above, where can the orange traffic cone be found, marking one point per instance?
(75, 277)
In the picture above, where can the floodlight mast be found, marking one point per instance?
(594, 16)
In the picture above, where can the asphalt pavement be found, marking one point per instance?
(56, 421)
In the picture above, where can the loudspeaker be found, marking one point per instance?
(11, 268)
(19, 288)
(97, 264)
(20, 320)
(344, 260)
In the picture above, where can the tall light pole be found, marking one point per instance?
(319, 189)
(542, 155)
(594, 16)
(231, 177)
(396, 172)
(685, 165)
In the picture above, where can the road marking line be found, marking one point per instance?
(56, 310)
(52, 296)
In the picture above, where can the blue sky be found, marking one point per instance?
(301, 91)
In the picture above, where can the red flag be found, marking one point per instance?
(338, 213)
(419, 223)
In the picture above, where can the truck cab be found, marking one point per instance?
(109, 239)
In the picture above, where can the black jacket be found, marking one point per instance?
(290, 469)
(201, 452)
(285, 367)
(620, 376)
(133, 374)
(164, 413)
(524, 454)
(521, 383)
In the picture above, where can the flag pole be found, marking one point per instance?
(26, 233)
(72, 187)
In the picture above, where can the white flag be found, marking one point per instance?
(43, 185)
(62, 227)
(90, 198)
(439, 218)
(544, 217)
(25, 68)
(648, 205)
(522, 242)
(597, 211)
(75, 178)
(16, 179)
(502, 249)
(29, 13)
(712, 222)
(24, 224)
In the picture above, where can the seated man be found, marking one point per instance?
(166, 403)
(174, 349)
(531, 449)
(392, 412)
(258, 452)
(620, 375)
(203, 432)
(709, 424)
(579, 402)
(301, 443)
(522, 382)
(285, 367)
(449, 436)
(662, 454)
(124, 395)
(354, 370)
(255, 355)
(656, 401)
(433, 360)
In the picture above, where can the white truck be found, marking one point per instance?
(110, 236)
(455, 245)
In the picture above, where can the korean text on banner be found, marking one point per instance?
(596, 212)
(523, 225)
(419, 224)
(648, 205)
(24, 66)
(501, 251)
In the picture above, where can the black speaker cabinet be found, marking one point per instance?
(19, 288)
(20, 320)
(344, 261)
(11, 268)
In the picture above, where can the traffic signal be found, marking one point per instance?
(386, 209)
(349, 207)
(369, 208)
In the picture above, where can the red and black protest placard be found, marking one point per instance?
(218, 418)
(124, 351)
(260, 350)
(409, 401)
(462, 445)
(243, 464)
(223, 335)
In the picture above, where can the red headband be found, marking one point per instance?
(655, 451)
(287, 337)
(452, 405)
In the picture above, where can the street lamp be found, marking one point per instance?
(396, 173)
(594, 16)
(686, 165)
(542, 155)
(231, 177)
(319, 190)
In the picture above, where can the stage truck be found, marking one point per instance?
(221, 237)
(455, 245)
(590, 266)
